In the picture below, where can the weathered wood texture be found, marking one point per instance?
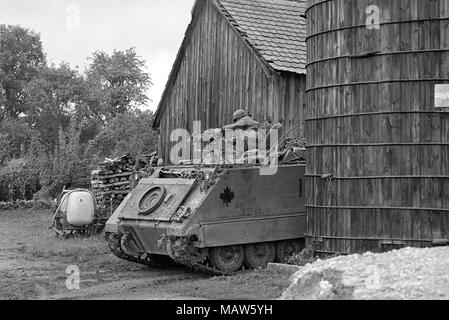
(219, 74)
(372, 124)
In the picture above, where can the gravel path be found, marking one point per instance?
(415, 274)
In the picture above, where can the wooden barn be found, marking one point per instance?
(247, 54)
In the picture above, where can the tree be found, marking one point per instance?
(61, 122)
(52, 97)
(21, 56)
(118, 83)
(65, 166)
(2, 96)
(15, 137)
(127, 133)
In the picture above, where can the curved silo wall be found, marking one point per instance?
(378, 139)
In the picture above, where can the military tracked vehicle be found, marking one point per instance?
(212, 219)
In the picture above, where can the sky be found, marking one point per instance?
(72, 29)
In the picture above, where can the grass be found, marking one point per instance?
(29, 230)
(78, 249)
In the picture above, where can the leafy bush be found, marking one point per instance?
(18, 181)
(130, 132)
(15, 135)
(66, 166)
(42, 174)
(26, 204)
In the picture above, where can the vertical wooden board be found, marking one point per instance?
(347, 231)
(426, 225)
(226, 75)
(262, 110)
(248, 89)
(211, 38)
(223, 67)
(217, 73)
(437, 224)
(236, 92)
(202, 75)
(233, 85)
(327, 228)
(290, 106)
(355, 229)
(285, 100)
(396, 228)
(338, 216)
(372, 231)
(277, 102)
(334, 218)
(387, 223)
(406, 224)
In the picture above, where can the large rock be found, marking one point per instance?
(402, 274)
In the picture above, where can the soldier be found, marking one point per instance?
(241, 120)
(244, 129)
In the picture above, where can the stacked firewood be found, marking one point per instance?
(114, 179)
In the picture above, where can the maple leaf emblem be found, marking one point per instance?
(227, 196)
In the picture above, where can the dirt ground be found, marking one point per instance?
(33, 265)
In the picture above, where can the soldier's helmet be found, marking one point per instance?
(239, 114)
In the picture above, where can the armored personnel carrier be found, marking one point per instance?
(213, 219)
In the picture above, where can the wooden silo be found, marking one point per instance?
(378, 173)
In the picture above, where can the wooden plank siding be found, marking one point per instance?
(218, 74)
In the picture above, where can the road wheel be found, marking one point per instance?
(227, 259)
(285, 249)
(259, 255)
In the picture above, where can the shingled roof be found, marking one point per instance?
(274, 28)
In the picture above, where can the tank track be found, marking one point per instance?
(178, 249)
(114, 239)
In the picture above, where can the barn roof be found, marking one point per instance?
(274, 29)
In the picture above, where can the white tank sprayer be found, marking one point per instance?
(75, 213)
